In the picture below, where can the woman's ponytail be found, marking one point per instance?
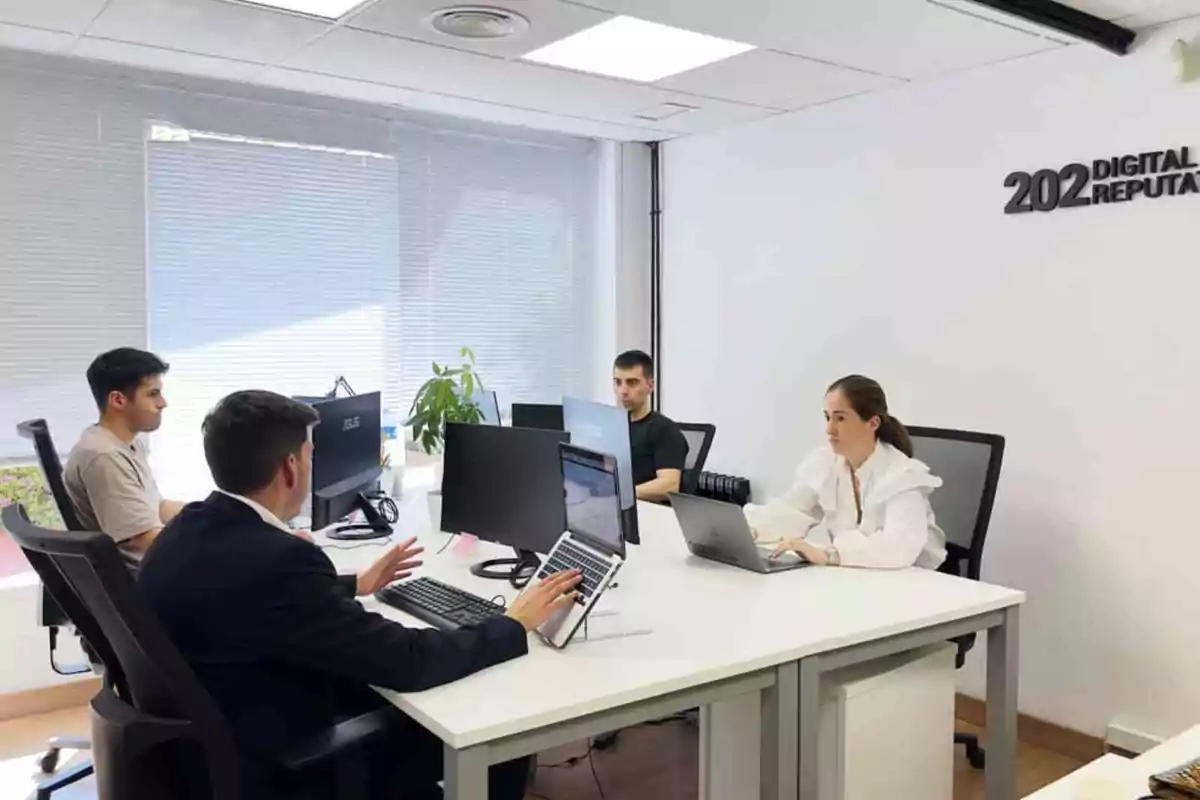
(892, 431)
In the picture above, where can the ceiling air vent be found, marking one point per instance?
(663, 111)
(477, 22)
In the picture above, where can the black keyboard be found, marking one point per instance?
(569, 555)
(440, 604)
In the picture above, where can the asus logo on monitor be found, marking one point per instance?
(350, 423)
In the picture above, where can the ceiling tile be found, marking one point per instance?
(900, 38)
(72, 16)
(549, 21)
(22, 38)
(399, 62)
(778, 80)
(1138, 13)
(165, 60)
(458, 106)
(208, 27)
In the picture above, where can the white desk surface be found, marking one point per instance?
(708, 622)
(1114, 777)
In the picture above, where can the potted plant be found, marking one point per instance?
(446, 397)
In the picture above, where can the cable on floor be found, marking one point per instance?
(595, 775)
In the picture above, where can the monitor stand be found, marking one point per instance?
(522, 567)
(375, 527)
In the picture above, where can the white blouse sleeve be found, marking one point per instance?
(898, 544)
(791, 516)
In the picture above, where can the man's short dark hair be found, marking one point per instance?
(249, 435)
(122, 370)
(636, 358)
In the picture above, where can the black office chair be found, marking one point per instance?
(969, 465)
(51, 615)
(157, 734)
(699, 438)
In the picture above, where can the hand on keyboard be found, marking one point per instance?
(541, 600)
(395, 564)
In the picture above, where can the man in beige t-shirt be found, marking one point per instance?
(107, 473)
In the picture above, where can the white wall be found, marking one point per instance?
(868, 236)
(622, 257)
(20, 634)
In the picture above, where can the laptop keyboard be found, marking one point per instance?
(569, 555)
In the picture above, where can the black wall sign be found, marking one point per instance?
(1112, 180)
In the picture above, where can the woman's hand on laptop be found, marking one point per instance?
(540, 601)
(810, 552)
(396, 564)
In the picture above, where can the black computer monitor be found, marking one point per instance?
(537, 415)
(605, 429)
(504, 485)
(345, 466)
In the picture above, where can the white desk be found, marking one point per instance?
(717, 633)
(1113, 776)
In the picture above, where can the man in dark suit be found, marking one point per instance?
(276, 636)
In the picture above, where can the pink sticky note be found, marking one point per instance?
(465, 545)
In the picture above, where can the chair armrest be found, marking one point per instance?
(333, 742)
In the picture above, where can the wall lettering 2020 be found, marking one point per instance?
(1110, 180)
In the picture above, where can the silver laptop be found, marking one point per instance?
(594, 542)
(719, 532)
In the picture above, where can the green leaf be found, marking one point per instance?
(446, 397)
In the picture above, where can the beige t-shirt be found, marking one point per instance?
(111, 486)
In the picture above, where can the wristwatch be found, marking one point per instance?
(832, 557)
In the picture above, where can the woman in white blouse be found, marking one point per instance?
(862, 500)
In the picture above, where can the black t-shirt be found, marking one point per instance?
(655, 443)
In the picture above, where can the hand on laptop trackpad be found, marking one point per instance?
(786, 557)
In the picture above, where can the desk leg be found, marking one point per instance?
(465, 773)
(809, 700)
(1000, 776)
(779, 726)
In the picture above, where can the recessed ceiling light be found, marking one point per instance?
(630, 48)
(477, 22)
(326, 9)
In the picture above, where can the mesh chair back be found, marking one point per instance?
(152, 698)
(699, 438)
(51, 613)
(38, 432)
(969, 465)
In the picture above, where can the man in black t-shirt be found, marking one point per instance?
(658, 447)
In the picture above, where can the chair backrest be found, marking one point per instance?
(699, 438)
(969, 465)
(37, 431)
(145, 671)
(51, 612)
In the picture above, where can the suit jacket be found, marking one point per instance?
(277, 638)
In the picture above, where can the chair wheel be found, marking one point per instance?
(977, 758)
(605, 741)
(48, 763)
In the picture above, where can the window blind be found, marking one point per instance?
(269, 267)
(265, 256)
(71, 255)
(496, 253)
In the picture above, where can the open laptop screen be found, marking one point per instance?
(593, 502)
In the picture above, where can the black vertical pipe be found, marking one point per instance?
(656, 272)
